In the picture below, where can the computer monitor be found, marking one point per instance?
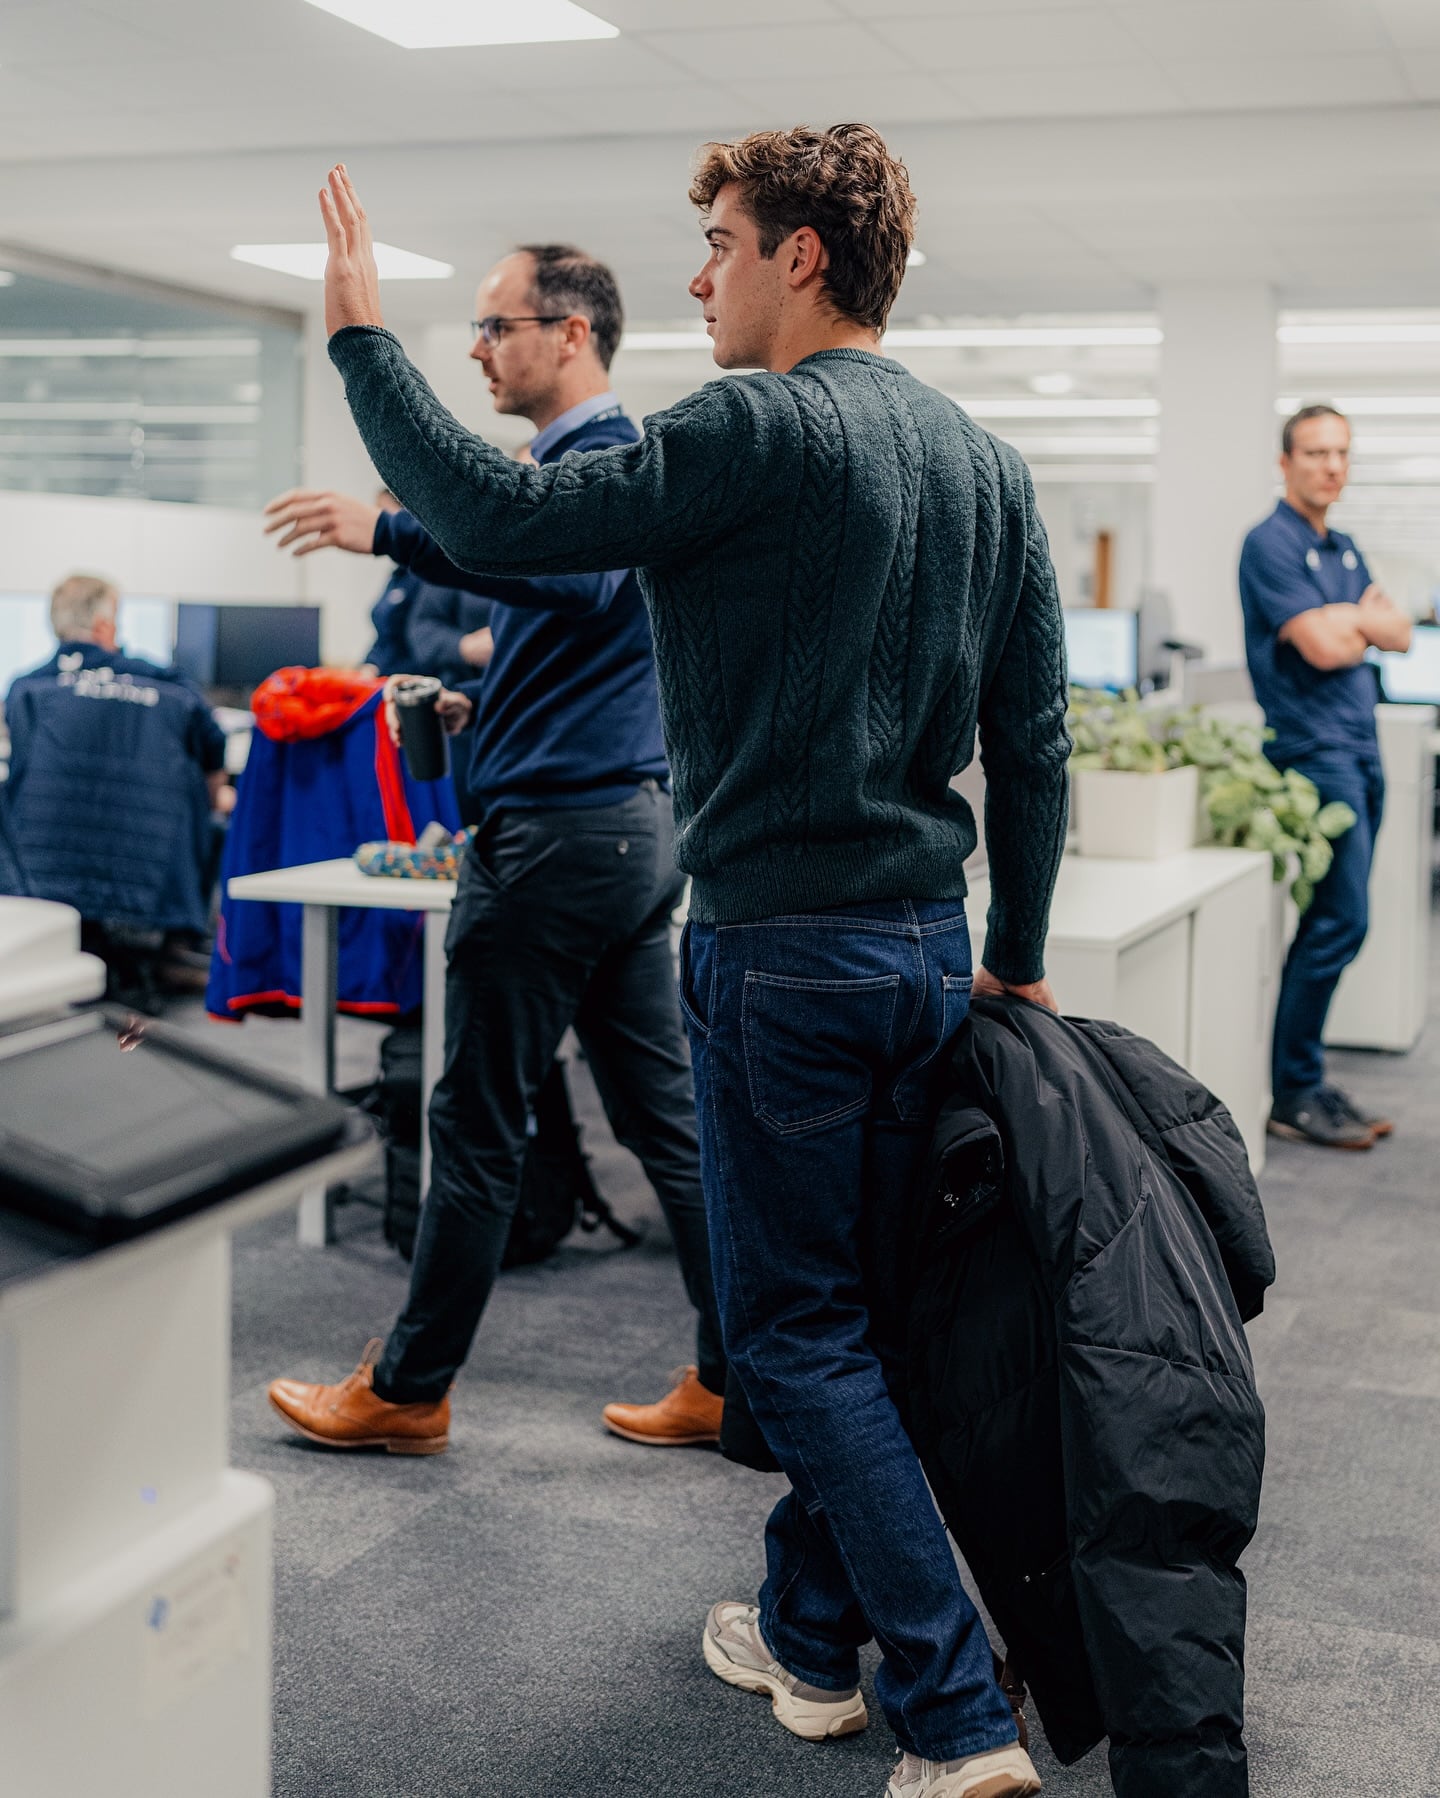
(1412, 676)
(1102, 648)
(239, 646)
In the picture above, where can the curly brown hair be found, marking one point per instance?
(844, 184)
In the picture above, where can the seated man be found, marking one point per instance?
(115, 766)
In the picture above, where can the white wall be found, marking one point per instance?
(145, 546)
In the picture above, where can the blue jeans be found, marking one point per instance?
(819, 1044)
(1333, 928)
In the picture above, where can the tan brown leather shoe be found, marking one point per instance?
(350, 1416)
(687, 1414)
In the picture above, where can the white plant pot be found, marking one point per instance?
(1137, 817)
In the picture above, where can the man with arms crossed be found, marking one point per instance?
(1311, 613)
(563, 909)
(844, 576)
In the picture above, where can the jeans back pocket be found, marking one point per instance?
(812, 1047)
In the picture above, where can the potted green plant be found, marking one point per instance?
(1135, 796)
(1252, 804)
(1244, 800)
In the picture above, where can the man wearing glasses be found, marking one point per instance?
(563, 911)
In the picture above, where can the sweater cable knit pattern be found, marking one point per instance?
(846, 578)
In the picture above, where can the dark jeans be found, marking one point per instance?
(1333, 928)
(562, 917)
(819, 1044)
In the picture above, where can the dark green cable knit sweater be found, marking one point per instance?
(845, 576)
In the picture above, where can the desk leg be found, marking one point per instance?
(432, 1046)
(318, 958)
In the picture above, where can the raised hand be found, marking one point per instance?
(352, 282)
(312, 519)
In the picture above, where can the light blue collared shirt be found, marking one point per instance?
(544, 441)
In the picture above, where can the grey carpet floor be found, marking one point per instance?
(521, 1616)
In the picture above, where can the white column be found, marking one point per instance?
(344, 586)
(1219, 437)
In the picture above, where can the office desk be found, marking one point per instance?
(323, 889)
(1179, 951)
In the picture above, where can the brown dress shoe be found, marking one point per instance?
(350, 1416)
(688, 1413)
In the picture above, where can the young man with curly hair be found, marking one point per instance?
(845, 577)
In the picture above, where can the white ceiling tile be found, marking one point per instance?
(1410, 24)
(684, 104)
(773, 53)
(1422, 74)
(701, 15)
(878, 99)
(42, 33)
(1289, 82)
(603, 62)
(1235, 30)
(925, 12)
(1109, 89)
(1073, 38)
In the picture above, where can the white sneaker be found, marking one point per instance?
(1000, 1773)
(735, 1651)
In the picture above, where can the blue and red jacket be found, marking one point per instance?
(322, 778)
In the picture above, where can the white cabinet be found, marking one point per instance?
(135, 1572)
(1380, 1002)
(1178, 951)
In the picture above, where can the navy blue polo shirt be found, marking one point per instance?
(1286, 568)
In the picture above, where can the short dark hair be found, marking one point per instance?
(1287, 434)
(845, 185)
(568, 280)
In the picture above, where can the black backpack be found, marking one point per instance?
(556, 1190)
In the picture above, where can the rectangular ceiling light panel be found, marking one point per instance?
(453, 24)
(307, 260)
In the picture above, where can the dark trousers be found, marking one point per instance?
(561, 918)
(1334, 926)
(820, 1046)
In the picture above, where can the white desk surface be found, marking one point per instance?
(1101, 902)
(341, 883)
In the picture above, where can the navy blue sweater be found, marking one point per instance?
(441, 617)
(568, 713)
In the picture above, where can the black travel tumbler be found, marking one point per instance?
(422, 736)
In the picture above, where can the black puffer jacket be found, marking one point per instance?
(1082, 1393)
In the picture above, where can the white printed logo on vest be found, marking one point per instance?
(103, 683)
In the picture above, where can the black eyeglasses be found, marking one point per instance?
(490, 330)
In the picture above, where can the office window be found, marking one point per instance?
(109, 392)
